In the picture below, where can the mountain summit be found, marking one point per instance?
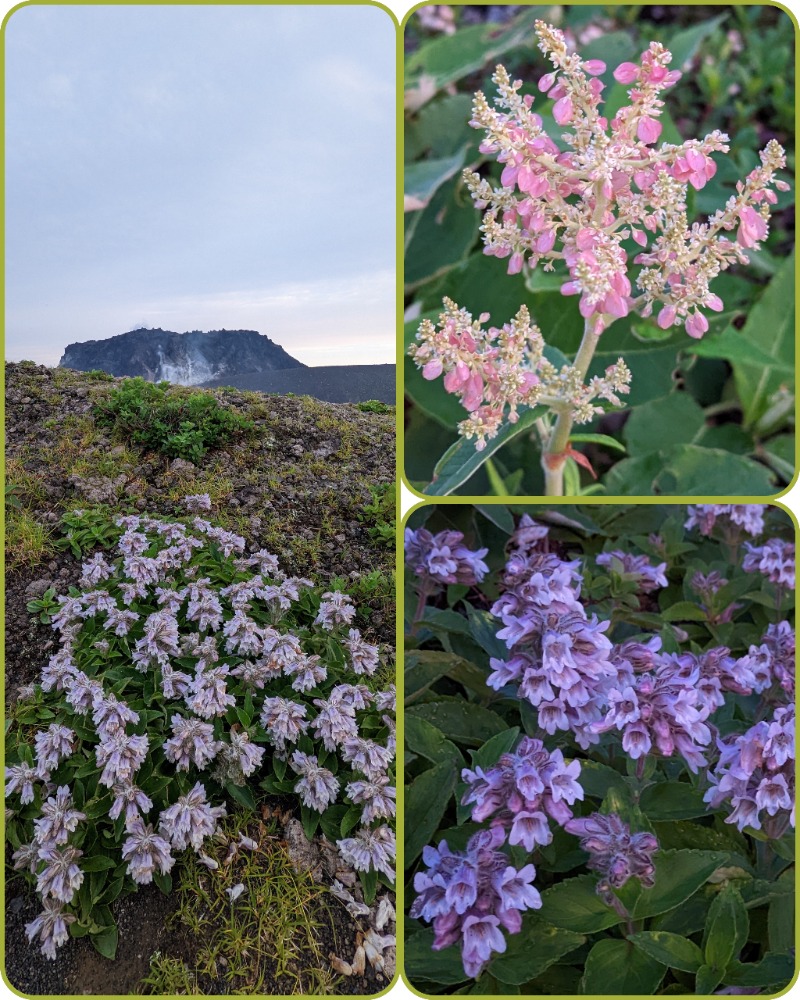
(182, 358)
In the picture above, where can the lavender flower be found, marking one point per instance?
(648, 577)
(749, 517)
(94, 571)
(366, 756)
(774, 560)
(59, 671)
(190, 820)
(20, 778)
(614, 851)
(59, 819)
(317, 787)
(109, 714)
(240, 756)
(52, 746)
(522, 790)
(370, 849)
(120, 755)
(335, 724)
(51, 927)
(145, 851)
(284, 721)
(132, 799)
(192, 742)
(470, 896)
(377, 797)
(61, 877)
(336, 609)
(209, 695)
(443, 558)
(197, 502)
(364, 658)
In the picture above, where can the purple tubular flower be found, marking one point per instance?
(444, 558)
(774, 560)
(50, 927)
(145, 851)
(284, 721)
(522, 790)
(20, 778)
(614, 851)
(748, 517)
(317, 787)
(192, 742)
(370, 849)
(756, 772)
(61, 877)
(59, 819)
(190, 820)
(52, 746)
(120, 756)
(470, 896)
(638, 568)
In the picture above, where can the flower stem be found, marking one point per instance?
(554, 457)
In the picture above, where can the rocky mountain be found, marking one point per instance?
(333, 383)
(183, 358)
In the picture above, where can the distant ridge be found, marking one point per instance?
(183, 358)
(332, 383)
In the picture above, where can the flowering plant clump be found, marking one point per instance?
(190, 673)
(619, 752)
(597, 192)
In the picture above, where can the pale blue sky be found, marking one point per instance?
(201, 167)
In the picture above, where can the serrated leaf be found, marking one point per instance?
(672, 950)
(574, 905)
(679, 874)
(537, 946)
(617, 968)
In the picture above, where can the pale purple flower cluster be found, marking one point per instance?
(560, 657)
(772, 662)
(20, 778)
(523, 790)
(371, 848)
(756, 772)
(735, 518)
(145, 851)
(615, 852)
(317, 787)
(192, 742)
(50, 927)
(774, 560)
(190, 820)
(638, 568)
(53, 745)
(444, 558)
(336, 609)
(471, 896)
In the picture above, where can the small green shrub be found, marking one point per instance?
(382, 511)
(374, 406)
(87, 528)
(177, 426)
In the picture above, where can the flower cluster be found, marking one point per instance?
(495, 371)
(615, 852)
(443, 558)
(774, 560)
(638, 568)
(470, 896)
(249, 666)
(522, 790)
(772, 662)
(613, 183)
(755, 771)
(735, 518)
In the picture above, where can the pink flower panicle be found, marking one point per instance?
(497, 370)
(613, 183)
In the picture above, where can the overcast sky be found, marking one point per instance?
(201, 167)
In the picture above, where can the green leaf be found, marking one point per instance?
(429, 742)
(445, 620)
(771, 970)
(164, 882)
(106, 941)
(99, 863)
(707, 980)
(696, 471)
(494, 748)
(423, 963)
(603, 439)
(728, 927)
(684, 611)
(672, 950)
(770, 328)
(424, 667)
(483, 628)
(243, 795)
(671, 800)
(462, 460)
(438, 237)
(426, 800)
(616, 968)
(679, 874)
(462, 721)
(422, 180)
(653, 426)
(537, 946)
(732, 347)
(575, 906)
(498, 514)
(684, 44)
(596, 779)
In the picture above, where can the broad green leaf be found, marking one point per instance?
(462, 721)
(781, 922)
(707, 980)
(462, 459)
(684, 611)
(423, 668)
(689, 469)
(770, 328)
(498, 514)
(106, 941)
(679, 874)
(484, 628)
(530, 952)
(728, 927)
(672, 950)
(780, 453)
(596, 779)
(445, 620)
(422, 180)
(732, 347)
(684, 44)
(634, 476)
(494, 748)
(617, 968)
(771, 970)
(574, 905)
(439, 236)
(603, 439)
(423, 963)
(654, 426)
(442, 126)
(429, 742)
(426, 800)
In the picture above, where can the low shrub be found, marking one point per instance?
(190, 674)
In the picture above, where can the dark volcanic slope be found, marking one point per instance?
(333, 383)
(184, 358)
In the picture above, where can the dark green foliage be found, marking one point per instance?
(176, 425)
(381, 514)
(374, 406)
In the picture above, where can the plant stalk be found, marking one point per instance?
(554, 457)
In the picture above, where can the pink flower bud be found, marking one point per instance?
(640, 237)
(516, 262)
(432, 370)
(547, 82)
(648, 130)
(594, 67)
(562, 110)
(615, 305)
(626, 72)
(696, 325)
(546, 241)
(570, 288)
(666, 317)
(714, 302)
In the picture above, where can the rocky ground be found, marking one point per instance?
(297, 484)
